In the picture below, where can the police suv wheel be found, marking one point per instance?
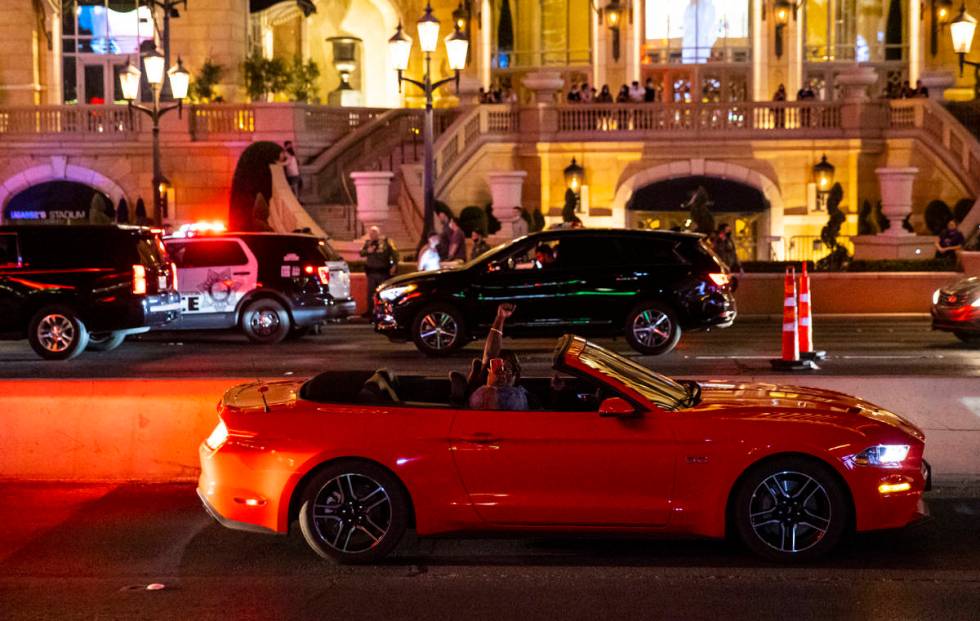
(265, 321)
(105, 341)
(56, 333)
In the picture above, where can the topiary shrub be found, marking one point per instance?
(838, 257)
(493, 224)
(537, 221)
(962, 209)
(937, 215)
(473, 218)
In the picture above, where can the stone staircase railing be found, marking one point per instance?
(475, 127)
(931, 122)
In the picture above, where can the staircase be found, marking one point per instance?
(389, 142)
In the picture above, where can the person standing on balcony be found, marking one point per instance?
(779, 114)
(292, 168)
(921, 90)
(588, 94)
(636, 93)
(649, 91)
(573, 95)
(907, 92)
(605, 96)
(380, 263)
(624, 94)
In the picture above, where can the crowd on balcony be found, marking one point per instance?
(893, 91)
(634, 93)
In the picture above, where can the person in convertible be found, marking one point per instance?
(499, 371)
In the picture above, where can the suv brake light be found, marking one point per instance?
(173, 276)
(324, 273)
(720, 278)
(139, 280)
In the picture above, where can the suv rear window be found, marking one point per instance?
(9, 255)
(152, 251)
(77, 247)
(214, 253)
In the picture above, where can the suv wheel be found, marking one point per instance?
(438, 330)
(56, 333)
(652, 328)
(265, 321)
(105, 341)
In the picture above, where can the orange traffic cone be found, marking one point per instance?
(806, 321)
(790, 360)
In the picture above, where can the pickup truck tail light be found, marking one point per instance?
(139, 280)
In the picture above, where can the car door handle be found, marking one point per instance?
(480, 437)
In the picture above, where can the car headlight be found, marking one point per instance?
(882, 455)
(935, 297)
(391, 294)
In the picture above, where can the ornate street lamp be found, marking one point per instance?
(129, 82)
(400, 49)
(823, 174)
(782, 10)
(574, 175)
(961, 30)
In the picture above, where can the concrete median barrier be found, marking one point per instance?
(149, 430)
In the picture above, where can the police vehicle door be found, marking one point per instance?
(213, 276)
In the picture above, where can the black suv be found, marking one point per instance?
(68, 288)
(269, 285)
(648, 285)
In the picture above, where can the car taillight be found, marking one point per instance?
(139, 279)
(173, 276)
(324, 274)
(218, 436)
(719, 278)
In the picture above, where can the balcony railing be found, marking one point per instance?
(68, 122)
(696, 118)
(221, 121)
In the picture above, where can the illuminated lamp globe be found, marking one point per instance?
(461, 15)
(456, 47)
(155, 67)
(180, 80)
(129, 81)
(574, 174)
(428, 28)
(781, 10)
(399, 49)
(943, 8)
(614, 13)
(823, 172)
(961, 30)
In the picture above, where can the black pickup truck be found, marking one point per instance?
(71, 288)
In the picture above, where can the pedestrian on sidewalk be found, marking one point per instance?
(429, 256)
(457, 241)
(380, 263)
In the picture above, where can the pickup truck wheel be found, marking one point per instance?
(56, 333)
(105, 341)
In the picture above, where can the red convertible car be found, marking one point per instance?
(358, 457)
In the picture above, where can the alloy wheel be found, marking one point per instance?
(790, 511)
(352, 513)
(652, 328)
(438, 330)
(55, 333)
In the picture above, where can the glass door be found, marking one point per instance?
(98, 78)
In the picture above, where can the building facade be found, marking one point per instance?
(712, 68)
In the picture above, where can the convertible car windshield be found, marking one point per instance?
(653, 386)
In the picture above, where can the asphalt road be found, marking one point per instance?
(877, 346)
(90, 552)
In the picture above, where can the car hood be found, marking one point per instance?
(420, 277)
(794, 404)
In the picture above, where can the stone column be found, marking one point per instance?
(541, 117)
(896, 197)
(858, 114)
(372, 197)
(505, 192)
(856, 82)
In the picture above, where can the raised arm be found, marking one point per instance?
(492, 347)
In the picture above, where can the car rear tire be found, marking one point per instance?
(438, 330)
(56, 333)
(266, 322)
(652, 328)
(353, 512)
(791, 510)
(105, 341)
(970, 338)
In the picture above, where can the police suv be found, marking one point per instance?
(269, 285)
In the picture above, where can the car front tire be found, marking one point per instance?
(438, 330)
(791, 509)
(265, 322)
(652, 328)
(56, 333)
(105, 341)
(353, 512)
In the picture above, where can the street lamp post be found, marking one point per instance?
(179, 81)
(400, 48)
(823, 173)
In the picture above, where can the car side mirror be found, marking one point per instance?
(616, 406)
